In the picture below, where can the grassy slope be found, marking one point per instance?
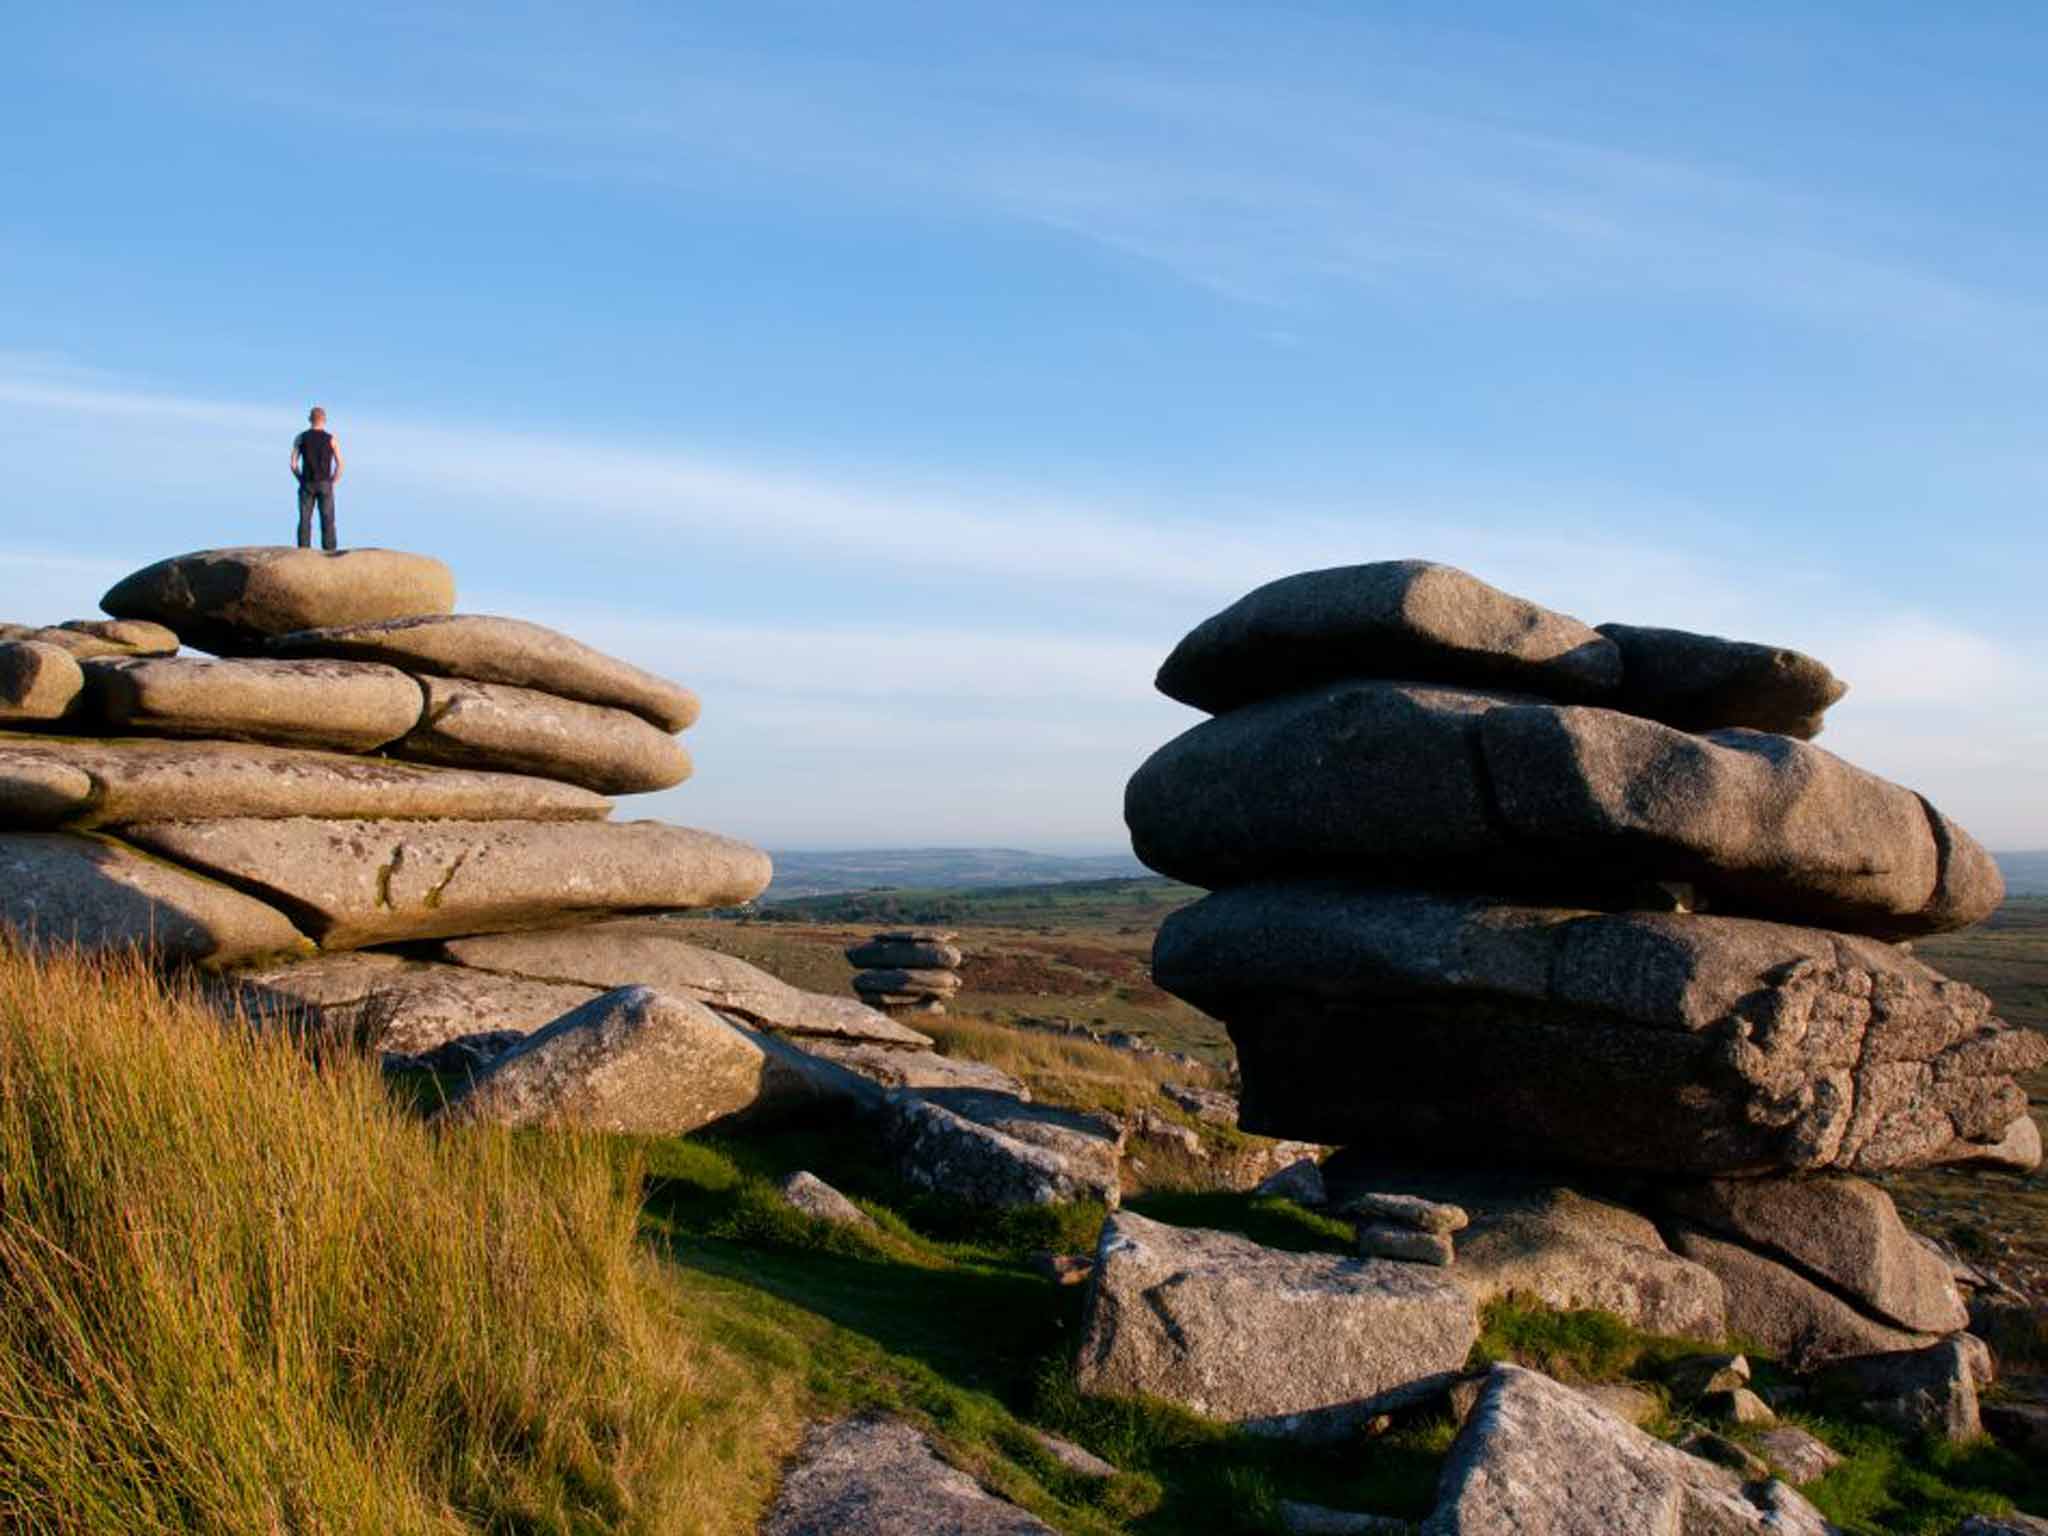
(382, 1328)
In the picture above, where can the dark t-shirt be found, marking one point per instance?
(316, 454)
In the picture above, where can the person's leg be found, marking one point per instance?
(305, 514)
(327, 516)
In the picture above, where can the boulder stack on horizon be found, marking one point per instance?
(907, 970)
(1573, 927)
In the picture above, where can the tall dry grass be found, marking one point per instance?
(1064, 1069)
(242, 1294)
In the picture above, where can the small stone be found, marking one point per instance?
(1697, 1375)
(1722, 1451)
(1383, 1240)
(1407, 1211)
(820, 1201)
(1300, 1181)
(1083, 1463)
(1797, 1455)
(1204, 1103)
(2003, 1525)
(1171, 1133)
(1738, 1405)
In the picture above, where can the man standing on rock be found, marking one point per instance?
(316, 460)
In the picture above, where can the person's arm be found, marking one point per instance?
(295, 454)
(334, 446)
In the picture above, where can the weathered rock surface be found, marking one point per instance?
(1505, 1475)
(1302, 1345)
(1390, 1240)
(1391, 619)
(1930, 1390)
(2003, 1525)
(656, 953)
(1531, 1236)
(1662, 1041)
(912, 984)
(880, 1477)
(485, 649)
(1407, 1211)
(411, 1008)
(1703, 682)
(345, 706)
(1016, 1161)
(40, 792)
(1074, 1458)
(896, 1066)
(493, 725)
(138, 781)
(1300, 1181)
(356, 883)
(903, 955)
(1797, 1455)
(127, 637)
(60, 890)
(815, 1198)
(1787, 1313)
(232, 601)
(38, 682)
(1299, 1519)
(633, 1062)
(1444, 787)
(1841, 1231)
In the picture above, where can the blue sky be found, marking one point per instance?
(907, 377)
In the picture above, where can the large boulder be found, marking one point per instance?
(1392, 619)
(492, 725)
(60, 890)
(1839, 1230)
(118, 637)
(1785, 1312)
(344, 706)
(1704, 683)
(875, 1476)
(485, 649)
(894, 1066)
(114, 783)
(408, 1008)
(1661, 1041)
(1445, 787)
(635, 1062)
(1301, 1345)
(653, 952)
(356, 883)
(1537, 1238)
(232, 601)
(38, 682)
(1537, 1459)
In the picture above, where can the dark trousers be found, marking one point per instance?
(312, 493)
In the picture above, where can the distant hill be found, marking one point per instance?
(1124, 904)
(2026, 874)
(875, 869)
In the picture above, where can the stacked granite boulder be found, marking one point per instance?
(366, 814)
(907, 970)
(1575, 930)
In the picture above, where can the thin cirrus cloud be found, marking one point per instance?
(857, 722)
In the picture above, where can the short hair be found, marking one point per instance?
(318, 413)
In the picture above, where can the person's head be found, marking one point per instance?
(317, 416)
